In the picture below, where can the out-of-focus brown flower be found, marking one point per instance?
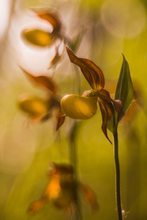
(61, 191)
(52, 38)
(38, 108)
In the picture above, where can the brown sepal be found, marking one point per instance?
(60, 120)
(45, 82)
(105, 118)
(36, 206)
(107, 109)
(90, 70)
(89, 196)
(50, 17)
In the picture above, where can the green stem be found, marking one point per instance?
(117, 175)
(74, 162)
(73, 152)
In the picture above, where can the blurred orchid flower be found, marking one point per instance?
(38, 108)
(51, 38)
(61, 189)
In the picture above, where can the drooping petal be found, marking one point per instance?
(108, 108)
(59, 48)
(50, 17)
(89, 195)
(90, 70)
(105, 118)
(45, 82)
(60, 120)
(36, 206)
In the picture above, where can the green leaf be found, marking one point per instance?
(37, 37)
(124, 90)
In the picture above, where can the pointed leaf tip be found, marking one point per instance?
(124, 90)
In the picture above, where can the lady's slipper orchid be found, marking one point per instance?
(96, 80)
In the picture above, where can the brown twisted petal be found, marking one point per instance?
(52, 18)
(60, 120)
(105, 112)
(113, 104)
(41, 81)
(59, 50)
(89, 195)
(107, 108)
(37, 205)
(90, 70)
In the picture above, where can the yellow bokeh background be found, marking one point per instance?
(109, 28)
